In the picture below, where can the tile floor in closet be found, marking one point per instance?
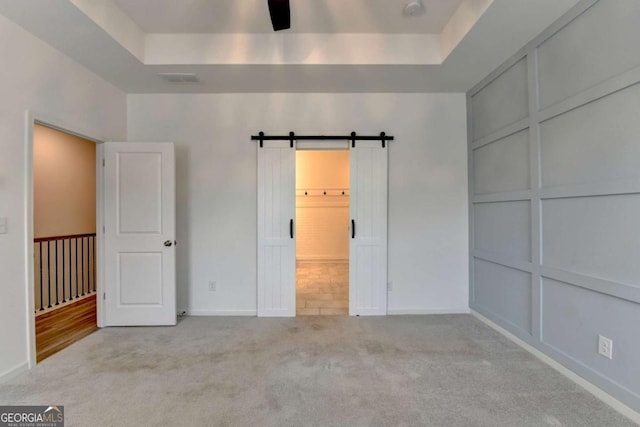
(322, 288)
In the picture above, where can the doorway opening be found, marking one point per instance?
(64, 231)
(322, 232)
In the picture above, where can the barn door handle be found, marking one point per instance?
(168, 243)
(291, 228)
(353, 229)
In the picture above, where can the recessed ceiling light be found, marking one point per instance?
(414, 8)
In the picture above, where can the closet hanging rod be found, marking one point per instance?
(292, 136)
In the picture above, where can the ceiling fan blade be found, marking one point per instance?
(280, 14)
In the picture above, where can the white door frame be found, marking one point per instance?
(31, 119)
(327, 145)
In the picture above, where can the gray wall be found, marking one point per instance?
(554, 166)
(217, 187)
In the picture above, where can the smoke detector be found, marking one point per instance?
(414, 8)
(179, 77)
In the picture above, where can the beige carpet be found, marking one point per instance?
(318, 371)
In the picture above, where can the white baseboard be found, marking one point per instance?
(591, 388)
(408, 311)
(14, 372)
(221, 312)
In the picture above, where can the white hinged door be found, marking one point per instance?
(139, 235)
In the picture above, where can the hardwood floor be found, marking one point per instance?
(62, 327)
(322, 289)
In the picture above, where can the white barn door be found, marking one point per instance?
(276, 228)
(368, 228)
(140, 275)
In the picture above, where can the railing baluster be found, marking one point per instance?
(84, 269)
(82, 262)
(49, 274)
(93, 270)
(88, 269)
(64, 297)
(56, 270)
(89, 258)
(41, 296)
(70, 274)
(89, 243)
(77, 293)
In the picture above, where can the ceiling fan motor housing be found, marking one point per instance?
(280, 14)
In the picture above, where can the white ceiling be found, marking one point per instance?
(307, 16)
(101, 36)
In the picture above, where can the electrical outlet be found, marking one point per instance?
(212, 286)
(605, 346)
(3, 225)
(389, 286)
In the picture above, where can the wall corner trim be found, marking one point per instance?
(588, 386)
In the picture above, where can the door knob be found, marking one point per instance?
(168, 243)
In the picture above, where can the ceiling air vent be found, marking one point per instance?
(179, 77)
